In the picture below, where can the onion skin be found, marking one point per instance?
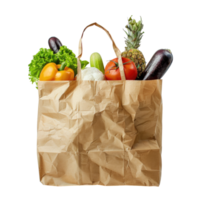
(158, 65)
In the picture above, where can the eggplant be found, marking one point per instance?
(158, 65)
(54, 44)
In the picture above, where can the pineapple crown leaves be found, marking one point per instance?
(133, 33)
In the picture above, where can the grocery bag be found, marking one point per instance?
(99, 132)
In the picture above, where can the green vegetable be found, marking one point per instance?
(45, 56)
(66, 55)
(84, 63)
(96, 61)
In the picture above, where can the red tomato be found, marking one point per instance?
(112, 71)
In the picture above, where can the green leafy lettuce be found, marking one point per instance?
(45, 56)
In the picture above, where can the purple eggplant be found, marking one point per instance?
(54, 44)
(158, 65)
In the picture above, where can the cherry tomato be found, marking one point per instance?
(112, 71)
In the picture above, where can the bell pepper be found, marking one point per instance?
(54, 72)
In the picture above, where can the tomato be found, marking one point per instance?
(112, 71)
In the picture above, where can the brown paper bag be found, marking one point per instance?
(99, 132)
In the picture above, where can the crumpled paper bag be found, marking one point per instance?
(99, 132)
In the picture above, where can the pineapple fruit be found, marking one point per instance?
(134, 36)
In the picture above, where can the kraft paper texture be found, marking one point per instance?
(99, 132)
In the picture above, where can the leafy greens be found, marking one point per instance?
(45, 56)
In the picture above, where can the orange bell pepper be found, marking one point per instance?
(53, 72)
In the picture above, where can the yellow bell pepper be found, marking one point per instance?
(53, 72)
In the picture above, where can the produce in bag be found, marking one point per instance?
(111, 124)
(92, 74)
(53, 72)
(45, 56)
(134, 35)
(112, 71)
(158, 65)
(96, 61)
(54, 44)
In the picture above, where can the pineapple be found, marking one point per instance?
(134, 36)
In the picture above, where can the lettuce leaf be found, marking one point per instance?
(45, 56)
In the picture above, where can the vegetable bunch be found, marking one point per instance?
(45, 56)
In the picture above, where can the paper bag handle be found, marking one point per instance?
(117, 52)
